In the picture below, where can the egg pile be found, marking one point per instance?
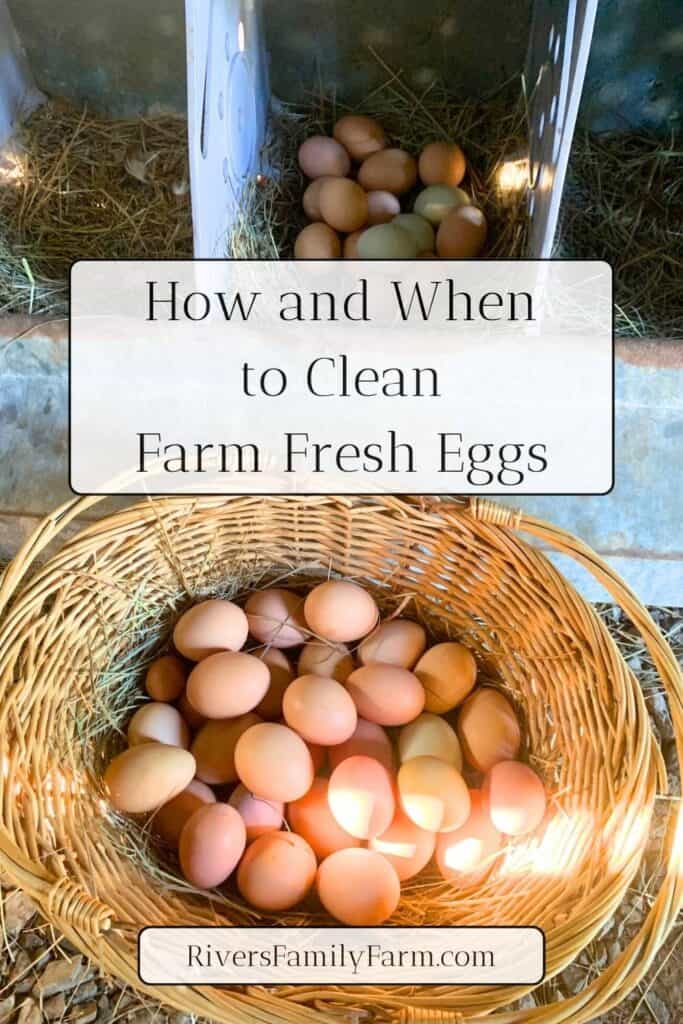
(362, 217)
(338, 752)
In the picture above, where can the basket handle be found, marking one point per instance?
(626, 972)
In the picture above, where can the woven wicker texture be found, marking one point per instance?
(467, 572)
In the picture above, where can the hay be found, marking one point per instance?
(623, 203)
(490, 132)
(79, 187)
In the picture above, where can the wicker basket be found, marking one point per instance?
(469, 575)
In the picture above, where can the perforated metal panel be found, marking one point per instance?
(560, 41)
(227, 108)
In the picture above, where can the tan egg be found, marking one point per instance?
(340, 611)
(395, 642)
(211, 844)
(437, 201)
(317, 242)
(343, 204)
(368, 739)
(448, 673)
(386, 242)
(466, 855)
(158, 723)
(358, 887)
(281, 675)
(169, 820)
(274, 762)
(430, 736)
(165, 679)
(361, 797)
(321, 659)
(386, 694)
(276, 617)
(320, 155)
(488, 729)
(210, 627)
(516, 798)
(418, 228)
(145, 777)
(311, 818)
(407, 847)
(350, 251)
(390, 170)
(311, 198)
(259, 815)
(214, 748)
(382, 207)
(320, 710)
(192, 718)
(442, 163)
(360, 136)
(277, 871)
(228, 684)
(462, 234)
(433, 794)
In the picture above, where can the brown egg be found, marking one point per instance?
(311, 198)
(442, 163)
(516, 798)
(211, 844)
(448, 673)
(165, 679)
(343, 204)
(361, 797)
(318, 756)
(276, 617)
(360, 136)
(430, 736)
(169, 820)
(214, 748)
(488, 729)
(340, 611)
(358, 887)
(259, 815)
(368, 739)
(145, 777)
(462, 233)
(228, 684)
(320, 710)
(382, 207)
(274, 762)
(317, 242)
(350, 251)
(321, 659)
(281, 675)
(319, 156)
(210, 627)
(390, 170)
(386, 694)
(407, 847)
(435, 202)
(311, 818)
(433, 794)
(277, 871)
(158, 723)
(395, 642)
(466, 855)
(192, 718)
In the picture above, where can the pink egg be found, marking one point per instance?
(382, 207)
(368, 739)
(310, 817)
(320, 710)
(211, 844)
(361, 797)
(259, 815)
(386, 694)
(276, 617)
